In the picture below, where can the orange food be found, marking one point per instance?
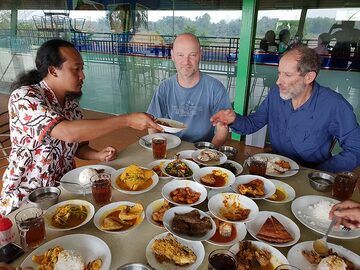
(185, 195)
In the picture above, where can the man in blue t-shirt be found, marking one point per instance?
(303, 117)
(190, 96)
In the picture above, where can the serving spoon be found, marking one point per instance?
(320, 245)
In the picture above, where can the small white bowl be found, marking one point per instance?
(290, 192)
(217, 202)
(269, 186)
(170, 214)
(155, 163)
(115, 175)
(192, 165)
(170, 125)
(222, 159)
(103, 211)
(185, 154)
(171, 186)
(208, 170)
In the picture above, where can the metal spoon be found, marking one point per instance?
(68, 182)
(320, 245)
(146, 142)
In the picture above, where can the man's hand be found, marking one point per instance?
(107, 154)
(224, 117)
(348, 214)
(141, 121)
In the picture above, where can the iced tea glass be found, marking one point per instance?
(258, 166)
(101, 188)
(159, 146)
(344, 185)
(222, 259)
(31, 226)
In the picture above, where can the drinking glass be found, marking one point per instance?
(222, 259)
(344, 185)
(159, 147)
(258, 166)
(31, 226)
(101, 188)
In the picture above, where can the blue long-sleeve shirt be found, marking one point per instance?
(306, 134)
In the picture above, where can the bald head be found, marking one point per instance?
(186, 39)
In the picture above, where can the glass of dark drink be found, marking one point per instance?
(101, 188)
(344, 185)
(222, 259)
(258, 166)
(159, 147)
(31, 226)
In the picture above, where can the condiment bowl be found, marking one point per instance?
(229, 151)
(134, 266)
(44, 197)
(321, 181)
(204, 145)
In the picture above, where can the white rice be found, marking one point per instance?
(69, 260)
(85, 176)
(321, 210)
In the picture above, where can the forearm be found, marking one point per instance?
(220, 136)
(248, 124)
(87, 153)
(344, 161)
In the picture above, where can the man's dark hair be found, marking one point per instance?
(47, 55)
(308, 59)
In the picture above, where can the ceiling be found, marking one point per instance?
(178, 4)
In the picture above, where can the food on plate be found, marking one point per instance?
(168, 249)
(225, 232)
(86, 174)
(230, 167)
(279, 195)
(321, 210)
(158, 121)
(185, 195)
(273, 231)
(254, 188)
(277, 165)
(332, 261)
(232, 209)
(191, 223)
(178, 168)
(158, 215)
(158, 171)
(216, 178)
(209, 155)
(69, 215)
(122, 217)
(135, 178)
(57, 258)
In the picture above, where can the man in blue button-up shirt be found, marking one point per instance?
(303, 117)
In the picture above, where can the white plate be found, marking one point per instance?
(254, 226)
(154, 206)
(169, 215)
(207, 170)
(171, 186)
(238, 167)
(240, 234)
(216, 203)
(51, 211)
(223, 158)
(185, 154)
(277, 257)
(292, 163)
(172, 140)
(300, 209)
(192, 165)
(172, 126)
(269, 186)
(88, 246)
(116, 174)
(151, 165)
(196, 247)
(290, 192)
(296, 258)
(73, 176)
(103, 211)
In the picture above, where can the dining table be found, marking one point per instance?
(130, 247)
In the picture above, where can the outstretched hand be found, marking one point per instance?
(223, 117)
(348, 214)
(142, 121)
(107, 154)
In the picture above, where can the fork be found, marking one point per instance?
(146, 142)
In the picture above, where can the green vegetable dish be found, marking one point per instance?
(229, 167)
(178, 168)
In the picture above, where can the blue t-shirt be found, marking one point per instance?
(193, 106)
(306, 134)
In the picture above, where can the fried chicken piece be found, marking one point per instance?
(312, 257)
(159, 214)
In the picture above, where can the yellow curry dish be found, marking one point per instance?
(135, 178)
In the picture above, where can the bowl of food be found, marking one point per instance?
(204, 145)
(229, 151)
(321, 181)
(134, 266)
(44, 197)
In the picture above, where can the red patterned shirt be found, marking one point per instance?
(36, 158)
